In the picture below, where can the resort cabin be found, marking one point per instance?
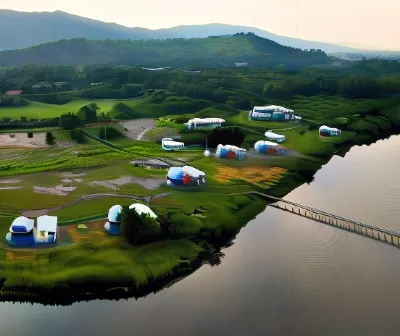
(204, 123)
(143, 209)
(326, 131)
(185, 175)
(113, 226)
(272, 112)
(274, 136)
(24, 233)
(45, 231)
(230, 152)
(169, 144)
(267, 147)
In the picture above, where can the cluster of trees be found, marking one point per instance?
(141, 229)
(226, 135)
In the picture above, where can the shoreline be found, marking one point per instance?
(67, 292)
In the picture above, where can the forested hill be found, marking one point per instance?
(211, 52)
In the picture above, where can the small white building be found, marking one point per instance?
(169, 144)
(46, 229)
(196, 123)
(274, 136)
(272, 112)
(326, 131)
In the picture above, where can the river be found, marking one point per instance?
(284, 275)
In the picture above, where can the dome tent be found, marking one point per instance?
(114, 214)
(326, 131)
(268, 147)
(22, 225)
(185, 175)
(113, 226)
(230, 152)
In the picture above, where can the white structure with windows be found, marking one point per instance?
(169, 144)
(204, 123)
(274, 136)
(272, 112)
(46, 229)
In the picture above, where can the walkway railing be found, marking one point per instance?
(366, 230)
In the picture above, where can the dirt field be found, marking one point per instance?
(135, 129)
(22, 140)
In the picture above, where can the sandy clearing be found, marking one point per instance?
(9, 181)
(147, 183)
(58, 190)
(10, 188)
(71, 175)
(22, 140)
(135, 129)
(67, 181)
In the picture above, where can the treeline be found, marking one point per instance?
(197, 52)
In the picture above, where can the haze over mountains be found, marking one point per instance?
(25, 29)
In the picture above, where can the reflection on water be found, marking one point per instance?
(285, 275)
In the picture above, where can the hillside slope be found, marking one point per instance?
(205, 53)
(42, 27)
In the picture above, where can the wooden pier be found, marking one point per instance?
(366, 230)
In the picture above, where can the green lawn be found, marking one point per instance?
(39, 110)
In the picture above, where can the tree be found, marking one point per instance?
(139, 229)
(4, 84)
(50, 138)
(226, 136)
(69, 121)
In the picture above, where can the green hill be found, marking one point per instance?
(211, 52)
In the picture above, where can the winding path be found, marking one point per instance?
(41, 212)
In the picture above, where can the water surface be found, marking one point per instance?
(285, 275)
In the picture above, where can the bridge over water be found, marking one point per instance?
(366, 230)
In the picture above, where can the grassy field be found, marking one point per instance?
(37, 110)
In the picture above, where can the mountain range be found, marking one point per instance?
(26, 29)
(206, 52)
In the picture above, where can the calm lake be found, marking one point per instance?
(284, 275)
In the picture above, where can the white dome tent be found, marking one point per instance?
(326, 131)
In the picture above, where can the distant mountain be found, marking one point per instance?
(177, 53)
(25, 29)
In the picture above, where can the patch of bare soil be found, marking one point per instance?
(135, 129)
(72, 175)
(10, 188)
(147, 183)
(22, 140)
(58, 190)
(9, 181)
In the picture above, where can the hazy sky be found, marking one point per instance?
(369, 24)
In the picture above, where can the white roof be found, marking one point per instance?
(141, 208)
(172, 143)
(47, 223)
(263, 142)
(329, 128)
(193, 171)
(272, 108)
(272, 135)
(206, 120)
(231, 147)
(114, 212)
(23, 221)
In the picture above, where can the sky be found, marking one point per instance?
(366, 24)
